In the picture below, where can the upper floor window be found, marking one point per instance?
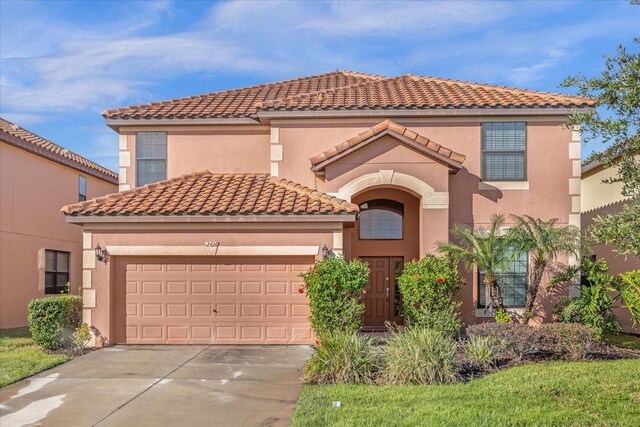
(82, 188)
(504, 149)
(381, 219)
(151, 157)
(56, 271)
(512, 281)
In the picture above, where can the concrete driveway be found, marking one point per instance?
(162, 386)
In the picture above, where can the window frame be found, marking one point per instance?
(82, 196)
(57, 288)
(391, 205)
(483, 152)
(140, 159)
(525, 274)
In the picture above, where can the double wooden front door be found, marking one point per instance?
(382, 300)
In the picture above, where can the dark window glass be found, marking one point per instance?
(151, 157)
(82, 188)
(381, 220)
(504, 151)
(513, 281)
(56, 271)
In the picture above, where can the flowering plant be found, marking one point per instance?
(429, 288)
(335, 288)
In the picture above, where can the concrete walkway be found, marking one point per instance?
(162, 386)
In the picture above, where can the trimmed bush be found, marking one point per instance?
(429, 287)
(511, 340)
(335, 287)
(52, 320)
(342, 358)
(418, 355)
(480, 351)
(571, 341)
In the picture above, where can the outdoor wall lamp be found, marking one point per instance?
(325, 252)
(100, 255)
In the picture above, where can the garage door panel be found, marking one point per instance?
(233, 302)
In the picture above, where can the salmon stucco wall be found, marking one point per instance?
(32, 192)
(223, 149)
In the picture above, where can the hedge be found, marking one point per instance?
(52, 320)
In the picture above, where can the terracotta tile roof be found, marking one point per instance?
(206, 193)
(238, 102)
(14, 134)
(403, 134)
(410, 91)
(349, 90)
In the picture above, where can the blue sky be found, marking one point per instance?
(62, 63)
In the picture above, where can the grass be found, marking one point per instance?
(549, 394)
(623, 340)
(20, 357)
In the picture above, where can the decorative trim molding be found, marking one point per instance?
(503, 185)
(87, 240)
(429, 197)
(213, 251)
(574, 186)
(575, 150)
(88, 259)
(217, 226)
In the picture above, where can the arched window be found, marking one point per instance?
(381, 220)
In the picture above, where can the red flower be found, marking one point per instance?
(317, 342)
(464, 282)
(417, 277)
(334, 284)
(364, 291)
(300, 291)
(441, 279)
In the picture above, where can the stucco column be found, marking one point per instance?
(434, 227)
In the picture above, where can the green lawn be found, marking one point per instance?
(20, 357)
(550, 394)
(623, 340)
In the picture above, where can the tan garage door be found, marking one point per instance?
(200, 301)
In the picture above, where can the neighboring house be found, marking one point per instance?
(226, 197)
(600, 198)
(39, 251)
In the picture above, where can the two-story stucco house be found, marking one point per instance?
(39, 251)
(226, 197)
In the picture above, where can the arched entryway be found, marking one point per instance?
(386, 235)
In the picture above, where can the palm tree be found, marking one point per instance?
(545, 241)
(483, 248)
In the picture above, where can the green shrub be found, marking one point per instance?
(572, 341)
(480, 351)
(342, 358)
(418, 355)
(80, 338)
(429, 287)
(503, 316)
(52, 320)
(335, 287)
(511, 340)
(594, 305)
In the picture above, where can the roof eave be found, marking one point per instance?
(267, 218)
(49, 155)
(116, 123)
(266, 115)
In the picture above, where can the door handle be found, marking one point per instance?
(386, 292)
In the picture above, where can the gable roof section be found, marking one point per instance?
(346, 90)
(410, 91)
(29, 141)
(237, 102)
(450, 158)
(206, 193)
